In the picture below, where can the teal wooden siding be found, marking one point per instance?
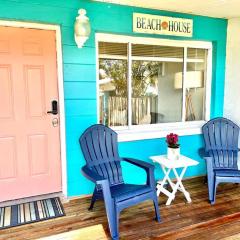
(79, 67)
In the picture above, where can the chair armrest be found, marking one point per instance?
(105, 187)
(92, 176)
(98, 180)
(139, 163)
(149, 168)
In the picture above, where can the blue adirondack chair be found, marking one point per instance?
(221, 153)
(100, 149)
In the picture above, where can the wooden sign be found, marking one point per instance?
(154, 24)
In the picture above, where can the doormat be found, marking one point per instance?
(30, 212)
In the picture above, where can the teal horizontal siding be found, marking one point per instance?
(76, 160)
(79, 69)
(72, 4)
(80, 107)
(80, 90)
(79, 72)
(75, 126)
(71, 54)
(81, 186)
(68, 36)
(36, 13)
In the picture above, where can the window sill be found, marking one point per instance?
(159, 131)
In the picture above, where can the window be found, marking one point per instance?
(153, 71)
(152, 82)
(113, 95)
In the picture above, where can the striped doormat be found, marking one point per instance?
(30, 212)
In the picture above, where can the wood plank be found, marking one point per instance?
(197, 220)
(94, 232)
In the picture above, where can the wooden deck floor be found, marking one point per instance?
(197, 220)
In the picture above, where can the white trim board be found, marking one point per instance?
(57, 29)
(129, 135)
(114, 38)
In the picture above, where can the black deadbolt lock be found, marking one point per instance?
(54, 108)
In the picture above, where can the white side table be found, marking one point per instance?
(168, 166)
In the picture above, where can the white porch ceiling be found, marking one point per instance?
(211, 8)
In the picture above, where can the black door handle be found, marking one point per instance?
(54, 108)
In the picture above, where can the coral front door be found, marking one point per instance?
(30, 162)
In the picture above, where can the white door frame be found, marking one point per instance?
(57, 30)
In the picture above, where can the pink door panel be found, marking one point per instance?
(6, 92)
(29, 143)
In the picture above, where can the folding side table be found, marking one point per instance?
(171, 165)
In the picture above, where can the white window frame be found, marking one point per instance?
(159, 130)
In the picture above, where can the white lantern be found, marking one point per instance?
(82, 28)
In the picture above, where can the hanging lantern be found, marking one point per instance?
(82, 28)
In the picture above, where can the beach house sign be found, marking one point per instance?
(154, 24)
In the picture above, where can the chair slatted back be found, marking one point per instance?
(100, 149)
(221, 142)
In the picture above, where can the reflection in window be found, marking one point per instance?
(195, 84)
(157, 84)
(154, 99)
(113, 101)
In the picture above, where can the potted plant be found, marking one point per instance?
(173, 151)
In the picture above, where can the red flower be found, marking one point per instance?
(172, 140)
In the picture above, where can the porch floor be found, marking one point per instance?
(181, 220)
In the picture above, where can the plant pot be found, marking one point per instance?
(173, 153)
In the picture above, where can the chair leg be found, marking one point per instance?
(111, 210)
(113, 222)
(157, 213)
(116, 225)
(214, 192)
(94, 198)
(211, 181)
(92, 202)
(205, 180)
